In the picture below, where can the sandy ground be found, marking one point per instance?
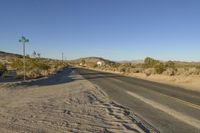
(62, 104)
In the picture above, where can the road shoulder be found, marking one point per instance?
(74, 106)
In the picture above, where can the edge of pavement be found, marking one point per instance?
(138, 120)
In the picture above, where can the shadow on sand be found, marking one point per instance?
(59, 78)
(94, 75)
(65, 76)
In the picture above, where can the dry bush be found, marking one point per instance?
(3, 69)
(188, 71)
(121, 69)
(149, 71)
(17, 64)
(170, 64)
(150, 62)
(198, 67)
(193, 71)
(91, 65)
(136, 70)
(36, 67)
(159, 67)
(169, 72)
(181, 71)
(34, 73)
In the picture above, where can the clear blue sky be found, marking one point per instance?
(114, 29)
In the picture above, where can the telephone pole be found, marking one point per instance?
(62, 57)
(23, 40)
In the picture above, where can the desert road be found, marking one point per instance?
(170, 109)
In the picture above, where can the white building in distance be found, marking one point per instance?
(100, 63)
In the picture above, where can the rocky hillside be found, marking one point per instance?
(5, 57)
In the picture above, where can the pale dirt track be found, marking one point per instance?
(63, 103)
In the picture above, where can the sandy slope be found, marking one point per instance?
(73, 105)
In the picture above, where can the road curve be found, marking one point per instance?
(170, 109)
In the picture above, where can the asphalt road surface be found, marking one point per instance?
(169, 109)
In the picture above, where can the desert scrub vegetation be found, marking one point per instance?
(167, 68)
(152, 66)
(3, 69)
(36, 67)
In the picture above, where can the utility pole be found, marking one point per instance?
(23, 40)
(62, 57)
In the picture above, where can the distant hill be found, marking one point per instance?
(91, 60)
(96, 59)
(132, 61)
(6, 54)
(187, 63)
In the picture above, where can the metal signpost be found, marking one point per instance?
(23, 40)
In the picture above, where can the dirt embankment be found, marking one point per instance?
(62, 104)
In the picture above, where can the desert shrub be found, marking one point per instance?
(170, 64)
(57, 65)
(180, 71)
(115, 65)
(186, 71)
(43, 66)
(193, 71)
(107, 62)
(17, 64)
(136, 70)
(159, 68)
(150, 62)
(34, 73)
(169, 72)
(3, 69)
(149, 71)
(32, 63)
(127, 65)
(92, 65)
(198, 67)
(127, 69)
(121, 69)
(37, 63)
